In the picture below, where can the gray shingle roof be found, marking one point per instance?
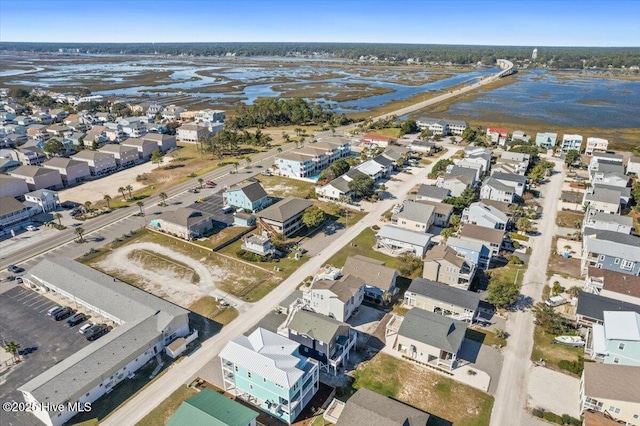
(144, 315)
(457, 171)
(344, 288)
(604, 195)
(496, 184)
(62, 162)
(382, 160)
(594, 305)
(612, 382)
(433, 329)
(481, 233)
(366, 407)
(320, 327)
(417, 212)
(445, 293)
(404, 235)
(433, 192)
(31, 171)
(510, 177)
(10, 205)
(371, 271)
(254, 191)
(184, 216)
(285, 209)
(341, 184)
(609, 217)
(612, 243)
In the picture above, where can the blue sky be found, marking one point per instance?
(515, 22)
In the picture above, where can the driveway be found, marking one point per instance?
(46, 341)
(485, 358)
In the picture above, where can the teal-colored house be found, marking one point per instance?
(546, 140)
(267, 370)
(249, 197)
(209, 408)
(617, 341)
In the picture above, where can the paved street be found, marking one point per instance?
(137, 407)
(511, 397)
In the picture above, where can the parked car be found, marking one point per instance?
(76, 319)
(193, 190)
(556, 301)
(74, 212)
(19, 279)
(266, 173)
(10, 278)
(31, 228)
(252, 179)
(51, 312)
(86, 328)
(64, 313)
(15, 269)
(97, 332)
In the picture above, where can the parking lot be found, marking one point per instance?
(43, 343)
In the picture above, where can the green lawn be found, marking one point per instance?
(426, 390)
(278, 186)
(552, 354)
(209, 307)
(393, 132)
(161, 414)
(362, 245)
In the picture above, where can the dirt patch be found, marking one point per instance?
(169, 280)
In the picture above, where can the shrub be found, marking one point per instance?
(252, 257)
(551, 417)
(375, 227)
(574, 367)
(538, 412)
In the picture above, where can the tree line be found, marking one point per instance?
(556, 57)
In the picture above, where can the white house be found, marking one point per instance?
(42, 200)
(484, 215)
(596, 145)
(335, 298)
(395, 241)
(516, 182)
(493, 189)
(633, 165)
(192, 133)
(570, 142)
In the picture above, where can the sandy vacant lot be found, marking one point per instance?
(172, 281)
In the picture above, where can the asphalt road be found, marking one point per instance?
(145, 401)
(511, 397)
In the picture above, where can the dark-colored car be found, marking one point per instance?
(15, 269)
(96, 332)
(63, 313)
(252, 179)
(76, 319)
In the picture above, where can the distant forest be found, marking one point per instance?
(552, 57)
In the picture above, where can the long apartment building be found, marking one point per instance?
(307, 162)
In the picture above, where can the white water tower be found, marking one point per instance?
(534, 54)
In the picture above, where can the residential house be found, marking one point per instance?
(336, 190)
(285, 216)
(71, 171)
(442, 127)
(133, 129)
(443, 264)
(13, 215)
(414, 216)
(366, 407)
(457, 180)
(74, 138)
(42, 201)
(418, 145)
(144, 146)
(474, 252)
(497, 135)
(378, 278)
(100, 163)
(633, 165)
(517, 182)
(607, 222)
(470, 164)
(606, 162)
(250, 196)
(432, 193)
(144, 326)
(611, 250)
(268, 371)
(96, 136)
(546, 140)
(613, 285)
(172, 112)
(611, 390)
(322, 338)
(512, 163)
(210, 408)
(395, 241)
(484, 215)
(492, 238)
(596, 145)
(184, 223)
(15, 108)
(154, 109)
(442, 212)
(591, 308)
(570, 142)
(296, 165)
(210, 115)
(259, 244)
(335, 298)
(58, 130)
(617, 341)
(521, 136)
(164, 142)
(493, 189)
(14, 187)
(616, 180)
(192, 133)
(380, 141)
(8, 164)
(241, 218)
(426, 337)
(124, 155)
(442, 299)
(602, 200)
(113, 132)
(478, 155)
(23, 120)
(377, 168)
(38, 177)
(30, 156)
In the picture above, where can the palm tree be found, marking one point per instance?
(200, 182)
(79, 232)
(87, 204)
(59, 217)
(279, 149)
(13, 349)
(129, 188)
(163, 196)
(247, 161)
(107, 198)
(236, 164)
(140, 204)
(122, 189)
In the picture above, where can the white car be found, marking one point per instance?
(86, 327)
(31, 228)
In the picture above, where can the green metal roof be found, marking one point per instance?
(209, 408)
